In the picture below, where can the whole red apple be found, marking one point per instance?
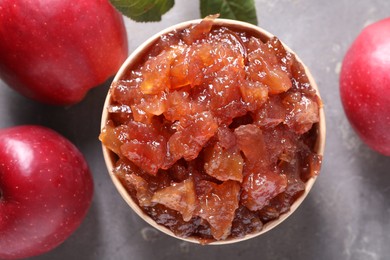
(365, 85)
(54, 51)
(45, 190)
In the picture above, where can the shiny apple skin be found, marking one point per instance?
(55, 51)
(365, 85)
(46, 190)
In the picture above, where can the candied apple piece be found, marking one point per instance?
(281, 143)
(303, 112)
(226, 114)
(144, 154)
(295, 187)
(165, 42)
(144, 195)
(127, 91)
(224, 88)
(124, 167)
(195, 70)
(300, 79)
(179, 68)
(284, 57)
(260, 187)
(277, 80)
(150, 105)
(155, 73)
(264, 67)
(178, 105)
(120, 114)
(217, 205)
(130, 175)
(193, 133)
(134, 104)
(311, 165)
(114, 137)
(251, 142)
(234, 39)
(199, 31)
(146, 148)
(224, 61)
(224, 164)
(211, 62)
(254, 94)
(158, 181)
(206, 52)
(292, 172)
(139, 114)
(179, 196)
(271, 114)
(226, 137)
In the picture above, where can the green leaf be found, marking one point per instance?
(242, 10)
(143, 10)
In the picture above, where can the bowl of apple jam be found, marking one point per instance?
(213, 131)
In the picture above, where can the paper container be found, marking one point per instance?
(133, 60)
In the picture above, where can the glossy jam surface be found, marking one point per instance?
(214, 132)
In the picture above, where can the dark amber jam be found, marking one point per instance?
(214, 131)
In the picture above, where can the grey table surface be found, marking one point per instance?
(347, 213)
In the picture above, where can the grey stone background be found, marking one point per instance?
(347, 213)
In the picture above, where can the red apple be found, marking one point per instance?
(45, 190)
(54, 51)
(365, 85)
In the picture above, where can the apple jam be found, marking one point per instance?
(214, 131)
